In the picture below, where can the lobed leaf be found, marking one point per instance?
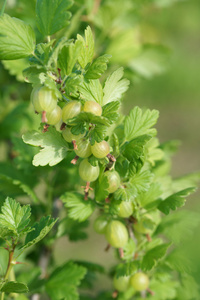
(39, 231)
(87, 51)
(73, 229)
(78, 208)
(98, 67)
(139, 123)
(52, 15)
(14, 217)
(91, 91)
(54, 146)
(175, 200)
(163, 290)
(14, 287)
(140, 182)
(69, 56)
(179, 226)
(110, 111)
(152, 257)
(63, 282)
(115, 86)
(17, 39)
(127, 269)
(134, 149)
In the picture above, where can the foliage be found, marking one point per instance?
(61, 52)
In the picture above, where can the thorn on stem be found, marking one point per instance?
(148, 237)
(45, 128)
(107, 248)
(86, 190)
(44, 118)
(63, 125)
(111, 157)
(135, 255)
(121, 253)
(74, 145)
(107, 200)
(115, 294)
(150, 292)
(74, 160)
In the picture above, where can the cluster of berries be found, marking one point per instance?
(116, 233)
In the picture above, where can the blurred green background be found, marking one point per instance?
(176, 92)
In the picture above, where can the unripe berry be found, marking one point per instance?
(92, 107)
(116, 234)
(43, 99)
(83, 148)
(113, 180)
(140, 225)
(100, 224)
(121, 283)
(125, 209)
(70, 110)
(100, 150)
(139, 281)
(54, 116)
(69, 137)
(87, 172)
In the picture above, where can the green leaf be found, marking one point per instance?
(179, 226)
(140, 182)
(98, 67)
(54, 146)
(91, 91)
(52, 15)
(186, 181)
(139, 123)
(83, 121)
(17, 39)
(73, 229)
(153, 152)
(115, 86)
(78, 208)
(87, 51)
(55, 50)
(33, 74)
(68, 57)
(110, 111)
(145, 199)
(72, 85)
(134, 149)
(122, 166)
(178, 261)
(14, 217)
(127, 269)
(63, 282)
(152, 257)
(5, 233)
(123, 194)
(175, 200)
(39, 231)
(163, 290)
(151, 61)
(129, 250)
(16, 67)
(12, 186)
(189, 289)
(14, 287)
(170, 147)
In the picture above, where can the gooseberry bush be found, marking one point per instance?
(93, 163)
